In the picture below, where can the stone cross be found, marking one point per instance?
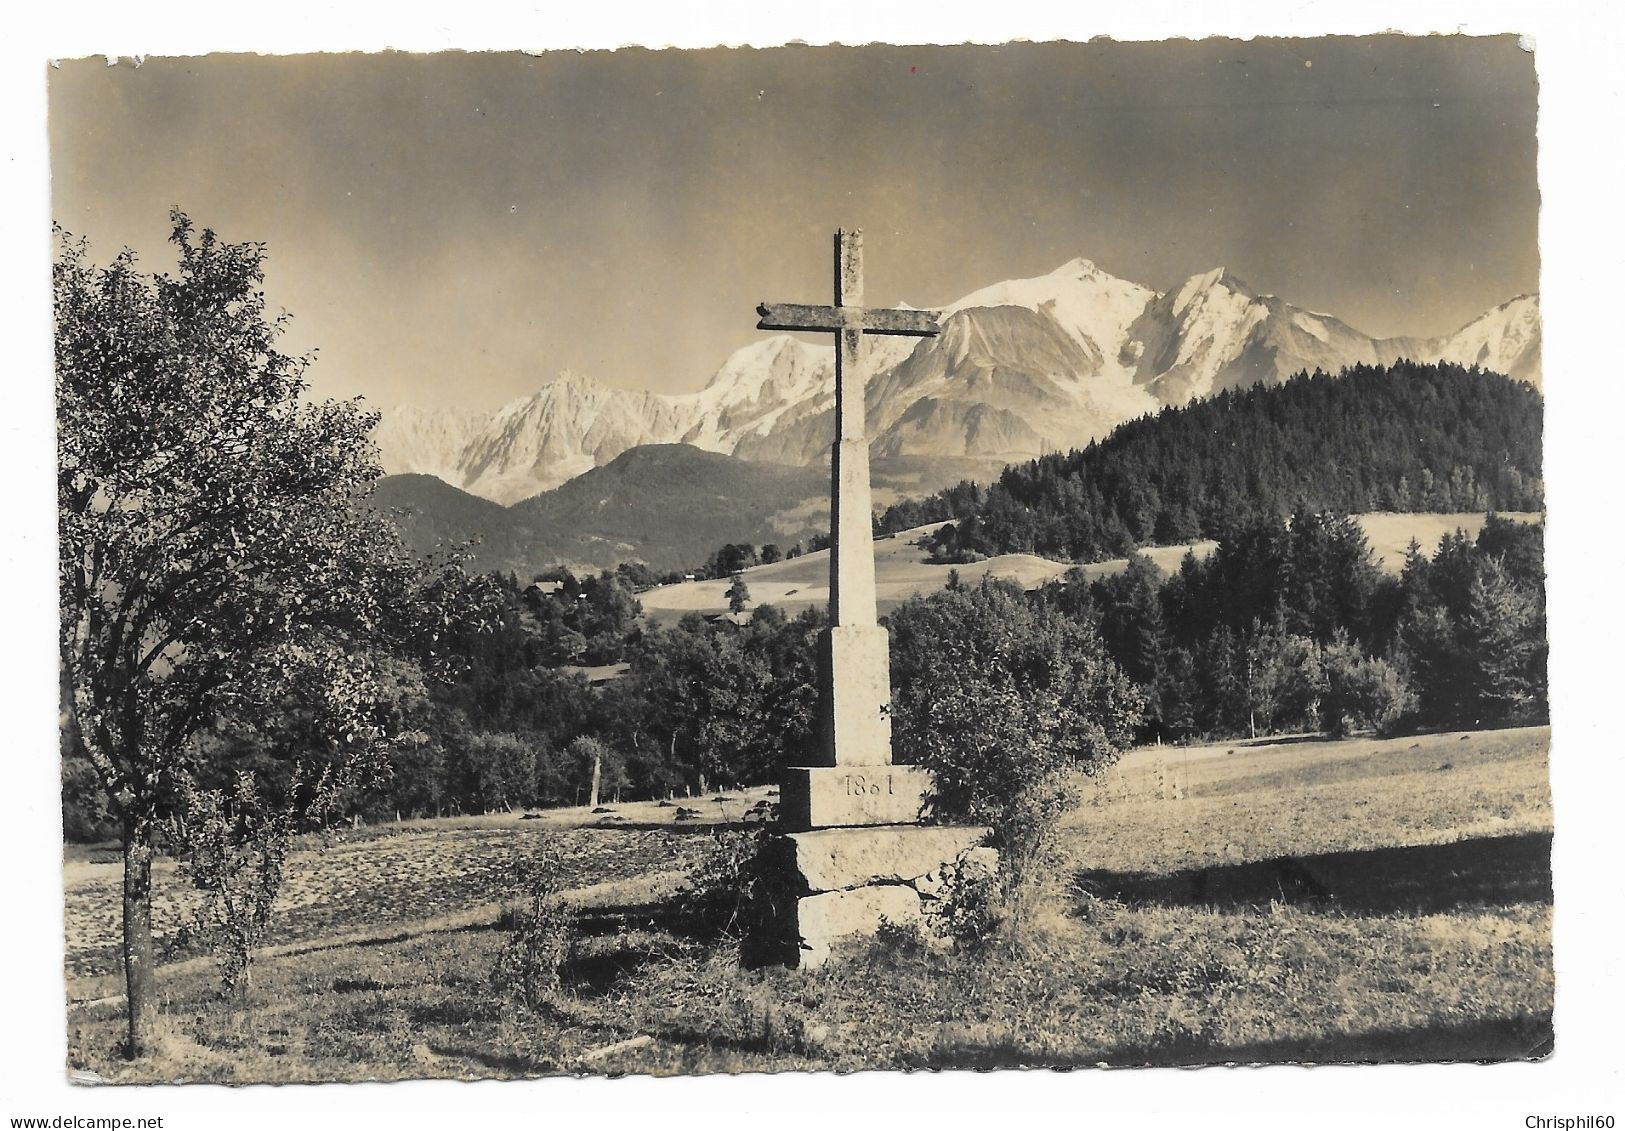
(851, 843)
(855, 676)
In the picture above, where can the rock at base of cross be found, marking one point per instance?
(842, 884)
(840, 859)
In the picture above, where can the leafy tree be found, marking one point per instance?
(1362, 691)
(637, 575)
(84, 805)
(738, 594)
(600, 765)
(730, 559)
(768, 619)
(731, 705)
(1001, 697)
(492, 771)
(212, 559)
(1285, 683)
(729, 735)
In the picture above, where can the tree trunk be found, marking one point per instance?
(142, 1004)
(597, 768)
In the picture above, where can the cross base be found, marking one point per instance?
(824, 797)
(842, 885)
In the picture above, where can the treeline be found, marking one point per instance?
(709, 704)
(1290, 626)
(1287, 626)
(732, 557)
(725, 561)
(703, 705)
(1405, 437)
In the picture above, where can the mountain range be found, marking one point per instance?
(1021, 368)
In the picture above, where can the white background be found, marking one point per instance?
(1580, 60)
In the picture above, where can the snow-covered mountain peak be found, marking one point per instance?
(1220, 280)
(1077, 279)
(1505, 339)
(1021, 367)
(573, 380)
(1077, 267)
(754, 363)
(1095, 308)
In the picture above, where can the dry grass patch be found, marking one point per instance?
(1348, 901)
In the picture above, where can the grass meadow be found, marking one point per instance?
(1289, 901)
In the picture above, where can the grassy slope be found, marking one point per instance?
(1325, 901)
(901, 570)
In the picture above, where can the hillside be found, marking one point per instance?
(1402, 438)
(902, 571)
(671, 505)
(434, 516)
(667, 505)
(1022, 368)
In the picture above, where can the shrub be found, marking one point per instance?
(717, 896)
(969, 908)
(1363, 692)
(530, 965)
(233, 848)
(1003, 702)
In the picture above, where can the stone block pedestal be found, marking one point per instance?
(842, 859)
(843, 883)
(822, 797)
(832, 916)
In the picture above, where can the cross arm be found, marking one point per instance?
(827, 319)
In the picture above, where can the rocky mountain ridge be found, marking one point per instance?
(1022, 367)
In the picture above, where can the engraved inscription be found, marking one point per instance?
(859, 785)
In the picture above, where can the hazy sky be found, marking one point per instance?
(457, 228)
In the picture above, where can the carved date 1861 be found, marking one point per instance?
(859, 785)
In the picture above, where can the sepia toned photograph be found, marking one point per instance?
(676, 562)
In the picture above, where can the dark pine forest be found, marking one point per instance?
(1406, 437)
